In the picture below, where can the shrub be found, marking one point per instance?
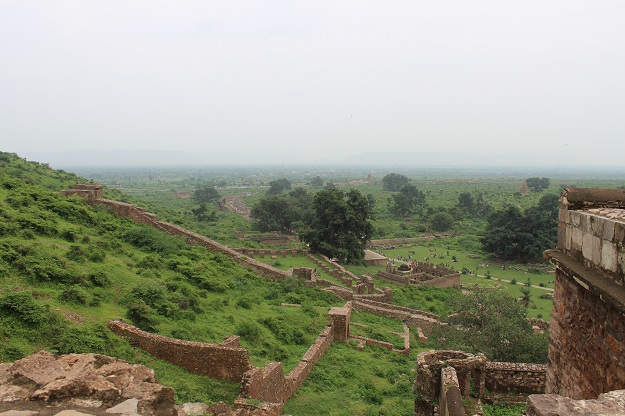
(141, 315)
(249, 331)
(99, 278)
(74, 294)
(149, 239)
(69, 235)
(284, 331)
(97, 256)
(76, 253)
(22, 306)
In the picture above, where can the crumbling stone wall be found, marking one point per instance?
(429, 374)
(87, 191)
(269, 384)
(490, 381)
(587, 327)
(141, 216)
(451, 399)
(423, 274)
(225, 361)
(515, 377)
(424, 320)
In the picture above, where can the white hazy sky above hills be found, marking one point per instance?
(315, 80)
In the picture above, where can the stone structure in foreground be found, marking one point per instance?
(587, 329)
(585, 374)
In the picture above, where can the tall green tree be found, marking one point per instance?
(491, 323)
(279, 186)
(394, 182)
(522, 236)
(281, 212)
(407, 201)
(441, 221)
(205, 194)
(537, 184)
(341, 227)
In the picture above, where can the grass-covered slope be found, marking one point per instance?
(67, 268)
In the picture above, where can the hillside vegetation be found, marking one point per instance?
(67, 268)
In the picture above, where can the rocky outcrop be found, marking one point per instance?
(86, 380)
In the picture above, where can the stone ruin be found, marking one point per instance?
(423, 274)
(587, 329)
(445, 379)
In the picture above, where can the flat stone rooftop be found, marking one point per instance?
(615, 214)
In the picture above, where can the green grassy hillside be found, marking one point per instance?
(67, 268)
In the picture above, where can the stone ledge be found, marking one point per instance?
(591, 280)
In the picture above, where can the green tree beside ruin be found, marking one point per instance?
(494, 324)
(341, 226)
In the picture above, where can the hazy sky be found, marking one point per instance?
(317, 79)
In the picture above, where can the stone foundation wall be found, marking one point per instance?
(424, 320)
(226, 361)
(587, 339)
(515, 378)
(445, 281)
(269, 384)
(422, 279)
(489, 380)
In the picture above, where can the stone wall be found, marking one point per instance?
(423, 275)
(424, 320)
(515, 377)
(257, 252)
(269, 384)
(226, 361)
(490, 381)
(587, 327)
(450, 403)
(141, 216)
(89, 192)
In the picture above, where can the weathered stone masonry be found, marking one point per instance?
(587, 328)
(437, 384)
(225, 361)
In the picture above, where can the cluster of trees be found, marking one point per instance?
(334, 222)
(512, 234)
(284, 213)
(537, 184)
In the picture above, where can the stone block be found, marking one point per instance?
(596, 225)
(587, 245)
(609, 256)
(608, 230)
(577, 238)
(576, 218)
(596, 250)
(584, 223)
(564, 215)
(619, 233)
